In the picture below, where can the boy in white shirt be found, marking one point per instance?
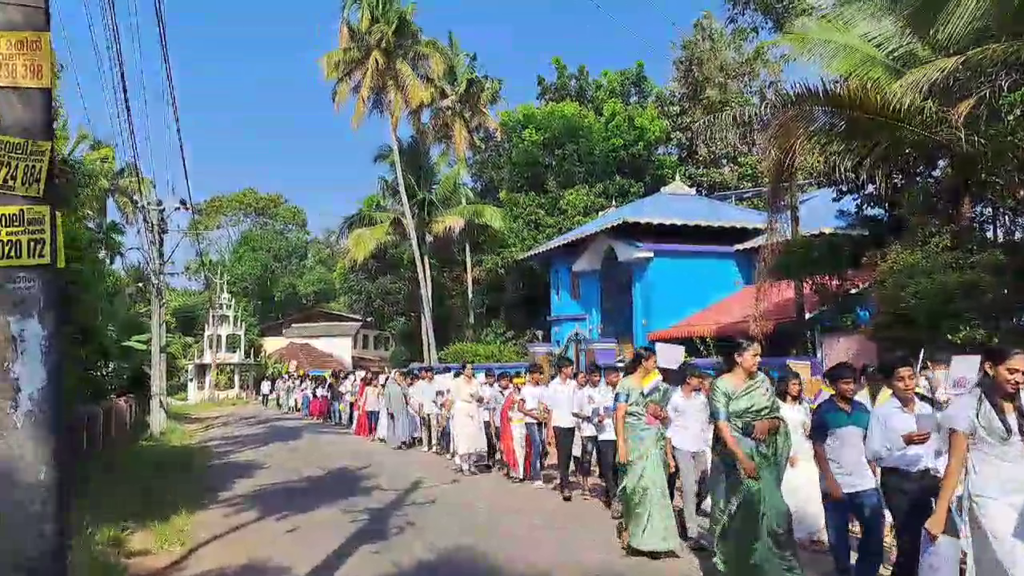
(559, 399)
(530, 407)
(587, 408)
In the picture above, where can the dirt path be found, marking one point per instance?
(298, 499)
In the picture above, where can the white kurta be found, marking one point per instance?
(800, 486)
(467, 422)
(995, 467)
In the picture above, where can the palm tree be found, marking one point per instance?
(462, 212)
(460, 112)
(385, 63)
(917, 85)
(442, 204)
(912, 101)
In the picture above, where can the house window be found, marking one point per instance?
(381, 342)
(574, 285)
(366, 342)
(556, 279)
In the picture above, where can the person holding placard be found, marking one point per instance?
(903, 442)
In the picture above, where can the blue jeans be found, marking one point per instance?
(335, 413)
(305, 406)
(866, 506)
(533, 436)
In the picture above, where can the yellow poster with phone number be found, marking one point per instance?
(26, 59)
(24, 235)
(23, 166)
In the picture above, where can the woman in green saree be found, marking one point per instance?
(648, 524)
(751, 525)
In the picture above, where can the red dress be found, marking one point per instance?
(362, 423)
(508, 449)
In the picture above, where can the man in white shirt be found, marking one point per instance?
(689, 433)
(429, 411)
(488, 393)
(265, 389)
(587, 408)
(560, 399)
(606, 443)
(903, 441)
(530, 407)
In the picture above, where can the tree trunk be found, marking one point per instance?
(429, 273)
(469, 291)
(410, 229)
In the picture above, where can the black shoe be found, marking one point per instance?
(566, 496)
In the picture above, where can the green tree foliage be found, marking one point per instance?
(273, 265)
(716, 72)
(95, 361)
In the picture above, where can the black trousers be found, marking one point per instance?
(910, 497)
(606, 465)
(492, 446)
(265, 399)
(588, 445)
(563, 450)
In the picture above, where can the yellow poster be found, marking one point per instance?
(26, 60)
(23, 166)
(24, 235)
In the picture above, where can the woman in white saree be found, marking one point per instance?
(800, 486)
(987, 438)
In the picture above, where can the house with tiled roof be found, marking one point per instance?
(319, 340)
(636, 273)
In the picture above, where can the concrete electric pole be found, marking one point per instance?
(156, 229)
(33, 499)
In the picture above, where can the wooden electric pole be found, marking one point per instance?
(32, 498)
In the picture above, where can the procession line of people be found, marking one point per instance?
(780, 473)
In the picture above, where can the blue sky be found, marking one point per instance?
(255, 110)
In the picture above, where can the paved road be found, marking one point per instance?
(298, 499)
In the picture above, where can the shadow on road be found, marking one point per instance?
(377, 525)
(281, 501)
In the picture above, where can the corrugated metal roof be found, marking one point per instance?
(672, 206)
(820, 214)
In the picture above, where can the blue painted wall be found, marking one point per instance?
(567, 313)
(677, 284)
(671, 286)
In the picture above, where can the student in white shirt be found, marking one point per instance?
(430, 412)
(689, 434)
(586, 409)
(903, 441)
(530, 407)
(265, 389)
(606, 443)
(559, 399)
(488, 393)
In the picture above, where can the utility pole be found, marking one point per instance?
(156, 231)
(33, 472)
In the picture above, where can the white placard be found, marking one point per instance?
(963, 374)
(669, 355)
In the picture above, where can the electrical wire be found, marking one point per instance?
(104, 85)
(623, 25)
(161, 22)
(71, 59)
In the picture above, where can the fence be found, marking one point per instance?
(108, 423)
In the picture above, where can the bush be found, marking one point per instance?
(482, 352)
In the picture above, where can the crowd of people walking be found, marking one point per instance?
(781, 471)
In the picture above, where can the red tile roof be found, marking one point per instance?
(733, 316)
(308, 357)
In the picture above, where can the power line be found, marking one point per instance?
(161, 22)
(71, 59)
(99, 65)
(623, 25)
(134, 32)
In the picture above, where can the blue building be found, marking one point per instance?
(643, 267)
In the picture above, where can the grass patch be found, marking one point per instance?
(137, 499)
(204, 407)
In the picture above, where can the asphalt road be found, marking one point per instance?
(292, 498)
